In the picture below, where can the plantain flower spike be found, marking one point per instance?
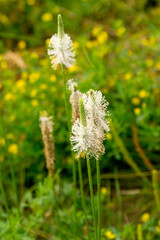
(88, 132)
(46, 125)
(74, 99)
(61, 47)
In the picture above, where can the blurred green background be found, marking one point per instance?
(117, 46)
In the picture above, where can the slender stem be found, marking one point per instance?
(5, 200)
(91, 193)
(11, 167)
(82, 194)
(99, 198)
(69, 128)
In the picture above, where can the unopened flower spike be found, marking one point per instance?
(72, 85)
(46, 125)
(82, 113)
(74, 99)
(61, 47)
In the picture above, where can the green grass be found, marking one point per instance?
(117, 52)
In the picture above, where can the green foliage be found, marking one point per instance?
(117, 50)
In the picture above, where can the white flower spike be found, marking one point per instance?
(61, 48)
(88, 131)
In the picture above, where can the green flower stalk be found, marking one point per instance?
(61, 52)
(88, 134)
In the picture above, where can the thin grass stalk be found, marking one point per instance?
(92, 196)
(82, 195)
(118, 195)
(11, 167)
(155, 188)
(126, 155)
(69, 128)
(99, 198)
(5, 200)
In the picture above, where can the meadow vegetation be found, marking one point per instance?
(117, 52)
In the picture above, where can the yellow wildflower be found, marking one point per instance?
(91, 44)
(4, 65)
(33, 93)
(34, 55)
(2, 141)
(110, 235)
(4, 19)
(43, 62)
(96, 31)
(9, 96)
(144, 41)
(149, 62)
(127, 76)
(135, 100)
(82, 155)
(47, 41)
(157, 65)
(52, 78)
(137, 111)
(33, 77)
(102, 37)
(75, 68)
(109, 136)
(103, 51)
(13, 149)
(24, 75)
(34, 103)
(43, 86)
(12, 118)
(120, 31)
(157, 229)
(145, 217)
(104, 190)
(21, 44)
(10, 136)
(75, 45)
(47, 17)
(31, 2)
(143, 93)
(130, 53)
(21, 85)
(1, 158)
(143, 105)
(151, 41)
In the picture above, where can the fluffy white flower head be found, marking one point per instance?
(88, 132)
(61, 48)
(96, 108)
(72, 85)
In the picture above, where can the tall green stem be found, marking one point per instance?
(69, 128)
(91, 193)
(5, 200)
(99, 198)
(82, 195)
(11, 167)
